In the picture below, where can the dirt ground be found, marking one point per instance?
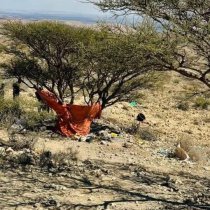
(128, 173)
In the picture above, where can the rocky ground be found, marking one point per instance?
(115, 167)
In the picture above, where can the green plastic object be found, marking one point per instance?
(133, 103)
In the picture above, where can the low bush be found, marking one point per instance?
(35, 119)
(147, 134)
(184, 106)
(9, 111)
(201, 102)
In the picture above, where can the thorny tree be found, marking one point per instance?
(188, 20)
(117, 65)
(106, 63)
(45, 54)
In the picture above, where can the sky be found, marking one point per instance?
(50, 6)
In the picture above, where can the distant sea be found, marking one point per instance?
(86, 19)
(80, 18)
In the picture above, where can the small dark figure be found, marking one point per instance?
(16, 88)
(141, 118)
(2, 90)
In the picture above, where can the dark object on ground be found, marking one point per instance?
(16, 89)
(26, 159)
(140, 117)
(46, 160)
(96, 128)
(2, 90)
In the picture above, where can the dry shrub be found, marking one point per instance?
(33, 119)
(198, 154)
(9, 111)
(112, 120)
(201, 103)
(58, 160)
(19, 142)
(65, 158)
(133, 129)
(147, 134)
(184, 106)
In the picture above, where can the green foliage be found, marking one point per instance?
(119, 65)
(187, 22)
(106, 64)
(201, 103)
(35, 119)
(46, 53)
(9, 111)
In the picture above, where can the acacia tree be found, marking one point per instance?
(105, 63)
(45, 54)
(117, 64)
(185, 19)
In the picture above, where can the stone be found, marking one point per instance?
(104, 143)
(9, 150)
(2, 151)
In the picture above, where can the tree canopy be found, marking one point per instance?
(105, 63)
(185, 19)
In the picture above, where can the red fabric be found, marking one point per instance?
(72, 119)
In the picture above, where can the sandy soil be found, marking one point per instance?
(128, 172)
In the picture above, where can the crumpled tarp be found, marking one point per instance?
(72, 119)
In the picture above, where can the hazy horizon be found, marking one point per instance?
(71, 7)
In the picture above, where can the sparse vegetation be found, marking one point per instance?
(121, 164)
(9, 111)
(147, 134)
(103, 64)
(65, 158)
(184, 106)
(185, 21)
(201, 102)
(34, 120)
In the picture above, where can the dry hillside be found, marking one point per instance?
(133, 171)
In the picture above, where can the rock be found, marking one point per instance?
(127, 145)
(10, 150)
(90, 138)
(17, 127)
(83, 138)
(54, 186)
(2, 151)
(207, 168)
(105, 135)
(51, 202)
(43, 128)
(104, 143)
(38, 206)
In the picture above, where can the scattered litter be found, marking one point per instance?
(164, 152)
(133, 103)
(114, 135)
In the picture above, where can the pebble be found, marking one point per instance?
(104, 143)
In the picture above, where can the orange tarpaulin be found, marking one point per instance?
(72, 119)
